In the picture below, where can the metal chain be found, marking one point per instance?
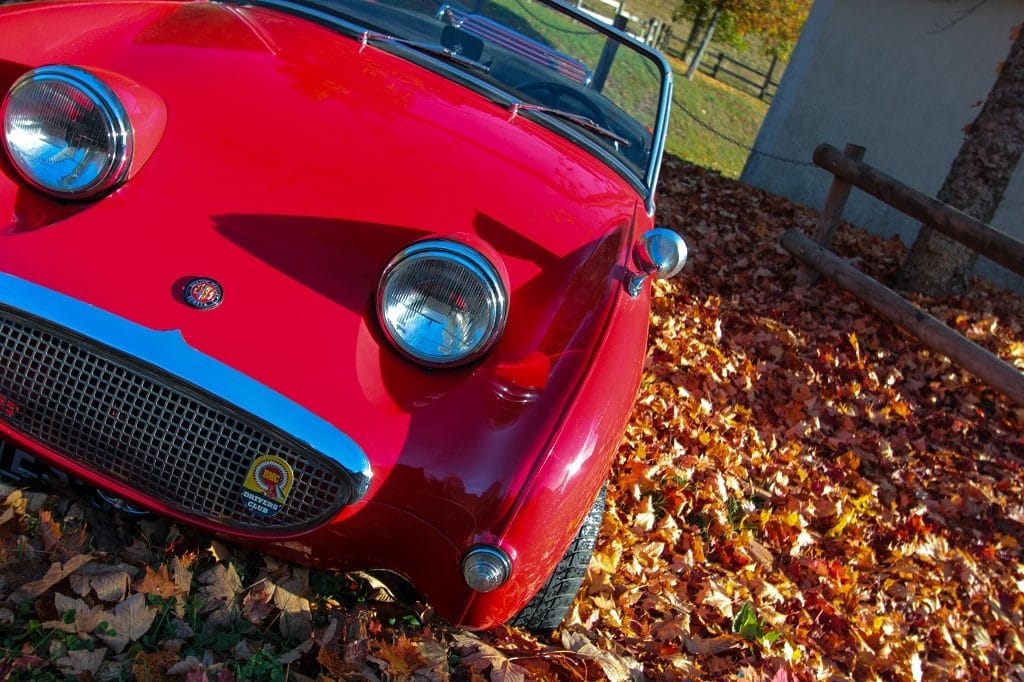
(742, 145)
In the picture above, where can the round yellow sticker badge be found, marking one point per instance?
(267, 485)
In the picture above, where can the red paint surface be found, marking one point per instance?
(290, 168)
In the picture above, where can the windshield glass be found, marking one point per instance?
(606, 91)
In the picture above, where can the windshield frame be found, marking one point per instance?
(325, 13)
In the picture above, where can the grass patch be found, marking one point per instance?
(633, 86)
(730, 112)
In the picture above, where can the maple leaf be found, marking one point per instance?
(478, 655)
(614, 668)
(400, 659)
(711, 646)
(158, 582)
(257, 604)
(334, 664)
(126, 622)
(109, 582)
(86, 617)
(219, 551)
(220, 587)
(15, 500)
(434, 656)
(507, 671)
(49, 530)
(81, 662)
(296, 653)
(296, 616)
(182, 574)
(57, 572)
(711, 594)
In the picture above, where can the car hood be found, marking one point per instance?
(294, 163)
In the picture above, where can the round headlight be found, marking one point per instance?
(441, 303)
(66, 132)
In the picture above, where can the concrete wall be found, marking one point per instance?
(885, 75)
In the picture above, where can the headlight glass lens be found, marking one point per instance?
(66, 131)
(442, 303)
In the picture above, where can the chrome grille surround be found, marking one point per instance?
(157, 433)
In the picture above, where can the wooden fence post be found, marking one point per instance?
(768, 79)
(933, 333)
(971, 232)
(838, 193)
(718, 65)
(832, 214)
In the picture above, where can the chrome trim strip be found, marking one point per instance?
(169, 352)
(660, 133)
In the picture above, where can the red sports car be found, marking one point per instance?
(361, 284)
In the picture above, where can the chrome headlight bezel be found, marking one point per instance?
(119, 134)
(457, 256)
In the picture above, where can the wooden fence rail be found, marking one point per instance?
(849, 170)
(653, 32)
(893, 307)
(762, 84)
(970, 232)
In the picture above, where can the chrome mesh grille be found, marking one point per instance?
(153, 433)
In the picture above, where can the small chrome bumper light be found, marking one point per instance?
(442, 303)
(66, 132)
(486, 568)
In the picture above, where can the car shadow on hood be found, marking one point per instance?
(339, 259)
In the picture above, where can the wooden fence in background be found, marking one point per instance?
(730, 70)
(658, 34)
(763, 82)
(848, 170)
(654, 32)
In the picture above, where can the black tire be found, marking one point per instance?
(550, 605)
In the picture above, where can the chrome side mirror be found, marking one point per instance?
(660, 253)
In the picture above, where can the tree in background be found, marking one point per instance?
(707, 20)
(697, 14)
(776, 22)
(976, 182)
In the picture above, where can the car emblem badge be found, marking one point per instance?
(203, 293)
(267, 484)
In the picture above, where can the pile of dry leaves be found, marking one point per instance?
(804, 492)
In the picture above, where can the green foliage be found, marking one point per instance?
(776, 22)
(260, 666)
(728, 111)
(734, 510)
(699, 12)
(748, 625)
